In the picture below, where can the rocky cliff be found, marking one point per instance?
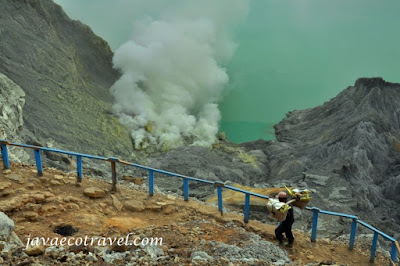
(12, 101)
(347, 151)
(65, 71)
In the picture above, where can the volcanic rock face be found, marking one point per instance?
(12, 100)
(348, 149)
(65, 71)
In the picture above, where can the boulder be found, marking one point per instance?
(8, 239)
(134, 205)
(170, 197)
(94, 192)
(14, 243)
(4, 185)
(38, 197)
(13, 177)
(6, 227)
(71, 199)
(117, 204)
(153, 208)
(35, 250)
(32, 207)
(30, 215)
(14, 203)
(55, 183)
(154, 251)
(200, 255)
(168, 209)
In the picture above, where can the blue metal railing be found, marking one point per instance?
(219, 185)
(355, 221)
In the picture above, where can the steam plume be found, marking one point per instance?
(173, 74)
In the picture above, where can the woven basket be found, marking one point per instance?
(280, 216)
(300, 204)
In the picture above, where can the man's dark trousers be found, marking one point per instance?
(286, 227)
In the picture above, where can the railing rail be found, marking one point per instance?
(218, 184)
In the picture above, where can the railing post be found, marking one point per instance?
(186, 189)
(247, 208)
(151, 182)
(4, 156)
(38, 160)
(114, 176)
(220, 206)
(113, 172)
(314, 224)
(353, 233)
(393, 253)
(79, 168)
(219, 186)
(373, 247)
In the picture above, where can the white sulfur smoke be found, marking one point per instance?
(173, 74)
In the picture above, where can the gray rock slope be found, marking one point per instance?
(349, 149)
(65, 71)
(12, 101)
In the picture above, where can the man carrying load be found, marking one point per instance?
(286, 225)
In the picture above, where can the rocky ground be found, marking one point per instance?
(193, 232)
